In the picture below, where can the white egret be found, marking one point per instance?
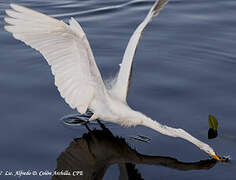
(67, 51)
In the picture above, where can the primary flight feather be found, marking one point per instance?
(67, 51)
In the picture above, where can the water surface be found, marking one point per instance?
(183, 70)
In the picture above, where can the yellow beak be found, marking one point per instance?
(215, 157)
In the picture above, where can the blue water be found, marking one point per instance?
(183, 70)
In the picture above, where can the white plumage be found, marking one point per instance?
(67, 51)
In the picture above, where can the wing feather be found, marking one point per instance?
(66, 49)
(120, 89)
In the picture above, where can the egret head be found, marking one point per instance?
(211, 152)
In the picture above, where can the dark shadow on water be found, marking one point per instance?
(97, 150)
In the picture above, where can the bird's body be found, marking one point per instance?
(77, 77)
(117, 111)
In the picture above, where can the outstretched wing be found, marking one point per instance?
(120, 89)
(66, 49)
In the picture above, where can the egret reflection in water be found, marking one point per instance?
(86, 154)
(77, 77)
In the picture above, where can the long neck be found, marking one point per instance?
(173, 132)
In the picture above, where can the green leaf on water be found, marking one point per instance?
(213, 123)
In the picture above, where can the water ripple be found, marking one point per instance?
(106, 9)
